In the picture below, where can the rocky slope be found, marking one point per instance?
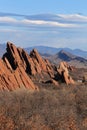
(74, 60)
(17, 68)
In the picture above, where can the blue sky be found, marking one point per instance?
(43, 6)
(56, 23)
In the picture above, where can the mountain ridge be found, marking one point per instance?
(74, 60)
(53, 50)
(46, 50)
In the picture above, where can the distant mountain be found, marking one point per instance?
(64, 55)
(43, 49)
(2, 49)
(80, 53)
(53, 51)
(48, 51)
(68, 57)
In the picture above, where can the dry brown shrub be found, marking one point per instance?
(64, 108)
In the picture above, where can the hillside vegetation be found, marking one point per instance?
(63, 108)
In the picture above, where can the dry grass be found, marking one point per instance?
(49, 109)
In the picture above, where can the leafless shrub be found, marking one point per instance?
(47, 109)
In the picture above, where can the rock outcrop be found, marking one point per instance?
(63, 73)
(17, 67)
(40, 64)
(13, 70)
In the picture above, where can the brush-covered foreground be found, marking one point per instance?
(63, 108)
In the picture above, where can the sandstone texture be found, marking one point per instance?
(63, 72)
(13, 70)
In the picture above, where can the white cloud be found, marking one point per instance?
(74, 17)
(25, 22)
(48, 23)
(52, 30)
(7, 19)
(38, 22)
(58, 20)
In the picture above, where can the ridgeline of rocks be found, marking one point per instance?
(17, 69)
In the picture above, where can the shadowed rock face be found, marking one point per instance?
(63, 72)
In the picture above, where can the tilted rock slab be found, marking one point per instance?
(16, 66)
(13, 73)
(63, 71)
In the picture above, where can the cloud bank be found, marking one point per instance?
(58, 30)
(58, 20)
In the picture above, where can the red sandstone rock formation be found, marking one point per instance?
(13, 70)
(41, 64)
(63, 71)
(16, 66)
